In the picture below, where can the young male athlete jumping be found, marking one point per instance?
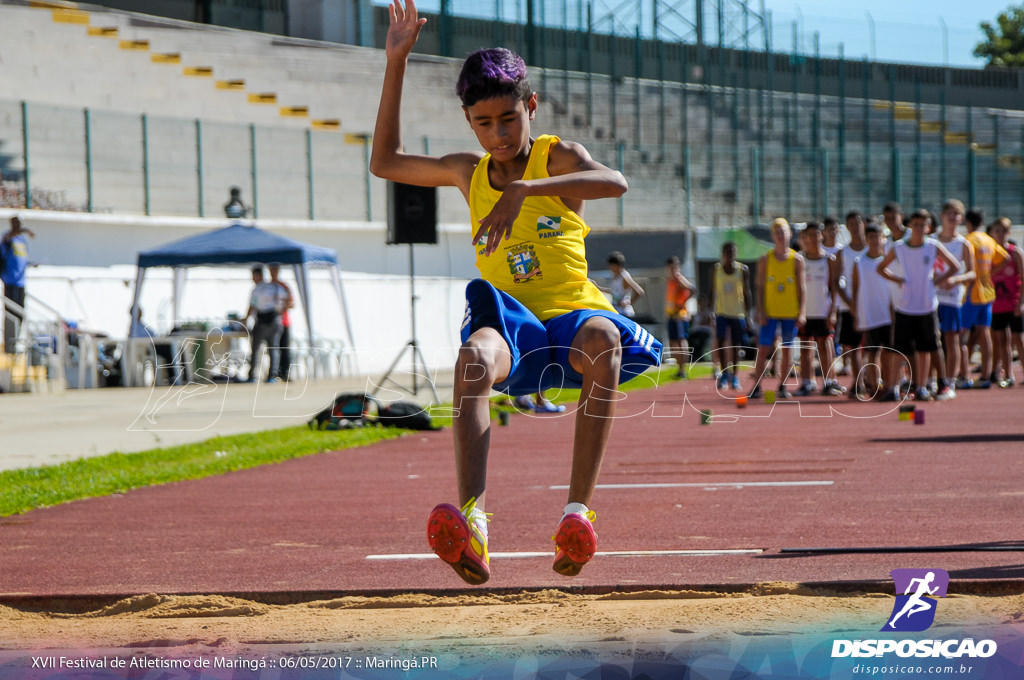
(533, 306)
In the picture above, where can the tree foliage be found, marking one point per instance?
(1004, 41)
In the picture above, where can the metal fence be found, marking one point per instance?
(721, 163)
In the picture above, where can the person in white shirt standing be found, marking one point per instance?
(951, 295)
(821, 274)
(872, 299)
(266, 304)
(915, 323)
(850, 339)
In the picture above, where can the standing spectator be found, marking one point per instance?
(234, 208)
(265, 306)
(892, 215)
(916, 324)
(872, 301)
(830, 235)
(821, 274)
(623, 287)
(731, 298)
(976, 313)
(781, 304)
(14, 259)
(850, 339)
(951, 295)
(678, 291)
(285, 362)
(1007, 326)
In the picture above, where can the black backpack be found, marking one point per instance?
(357, 409)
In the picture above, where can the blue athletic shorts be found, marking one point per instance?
(975, 315)
(678, 329)
(737, 326)
(949, 318)
(767, 334)
(541, 350)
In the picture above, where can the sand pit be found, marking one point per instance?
(472, 627)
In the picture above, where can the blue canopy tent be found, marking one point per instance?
(242, 245)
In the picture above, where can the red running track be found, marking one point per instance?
(782, 477)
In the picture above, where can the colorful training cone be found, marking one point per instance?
(705, 416)
(919, 417)
(907, 412)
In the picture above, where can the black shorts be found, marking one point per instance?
(915, 333)
(878, 337)
(849, 336)
(1003, 320)
(815, 328)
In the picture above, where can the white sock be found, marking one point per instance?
(575, 507)
(479, 520)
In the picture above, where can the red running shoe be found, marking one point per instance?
(459, 542)
(575, 542)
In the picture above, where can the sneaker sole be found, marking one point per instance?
(576, 543)
(450, 538)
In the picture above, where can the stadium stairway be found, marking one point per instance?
(178, 72)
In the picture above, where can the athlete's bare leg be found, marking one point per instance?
(597, 356)
(483, 360)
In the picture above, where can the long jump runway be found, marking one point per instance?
(822, 490)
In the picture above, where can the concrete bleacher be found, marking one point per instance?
(122, 65)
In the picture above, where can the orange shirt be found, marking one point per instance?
(676, 296)
(987, 253)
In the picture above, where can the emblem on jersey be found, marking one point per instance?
(523, 262)
(549, 227)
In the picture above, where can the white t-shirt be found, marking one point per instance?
(268, 297)
(816, 274)
(874, 294)
(917, 294)
(954, 297)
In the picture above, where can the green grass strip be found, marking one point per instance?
(30, 488)
(26, 489)
(652, 379)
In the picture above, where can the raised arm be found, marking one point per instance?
(388, 160)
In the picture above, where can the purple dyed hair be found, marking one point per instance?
(493, 72)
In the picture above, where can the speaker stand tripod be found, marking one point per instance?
(412, 346)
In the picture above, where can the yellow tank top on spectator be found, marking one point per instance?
(729, 300)
(781, 300)
(987, 253)
(543, 263)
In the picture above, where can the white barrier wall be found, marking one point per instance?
(85, 270)
(98, 299)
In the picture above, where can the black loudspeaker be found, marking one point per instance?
(412, 214)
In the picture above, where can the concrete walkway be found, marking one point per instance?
(46, 429)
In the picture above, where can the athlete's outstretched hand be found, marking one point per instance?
(403, 29)
(497, 225)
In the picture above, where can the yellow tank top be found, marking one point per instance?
(543, 263)
(729, 300)
(780, 294)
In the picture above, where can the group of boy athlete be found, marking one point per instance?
(907, 302)
(533, 307)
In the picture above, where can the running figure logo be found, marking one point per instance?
(914, 610)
